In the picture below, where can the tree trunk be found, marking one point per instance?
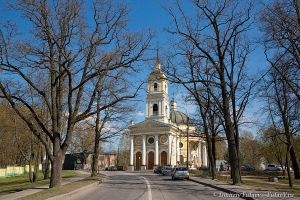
(295, 163)
(96, 156)
(234, 162)
(97, 138)
(288, 166)
(46, 170)
(30, 172)
(36, 164)
(212, 161)
(56, 171)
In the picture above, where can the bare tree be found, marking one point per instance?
(250, 148)
(211, 50)
(283, 109)
(280, 22)
(69, 44)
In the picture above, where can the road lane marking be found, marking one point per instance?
(148, 189)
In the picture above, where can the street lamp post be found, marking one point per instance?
(187, 132)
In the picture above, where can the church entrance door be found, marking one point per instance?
(163, 158)
(138, 160)
(150, 160)
(181, 159)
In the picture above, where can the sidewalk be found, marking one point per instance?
(16, 195)
(242, 192)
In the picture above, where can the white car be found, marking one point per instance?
(273, 168)
(180, 173)
(166, 170)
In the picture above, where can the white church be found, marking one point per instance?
(167, 136)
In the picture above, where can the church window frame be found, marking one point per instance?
(138, 141)
(150, 140)
(180, 145)
(155, 87)
(163, 139)
(155, 109)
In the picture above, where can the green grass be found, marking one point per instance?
(19, 183)
(279, 186)
(51, 192)
(259, 180)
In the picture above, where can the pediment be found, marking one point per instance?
(149, 125)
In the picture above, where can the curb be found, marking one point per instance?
(70, 194)
(74, 192)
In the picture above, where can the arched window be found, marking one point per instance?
(155, 87)
(155, 109)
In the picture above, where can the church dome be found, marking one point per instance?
(179, 117)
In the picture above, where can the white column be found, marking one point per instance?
(177, 149)
(199, 154)
(169, 148)
(144, 151)
(131, 151)
(159, 108)
(156, 151)
(163, 108)
(204, 154)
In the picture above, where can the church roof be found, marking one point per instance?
(179, 118)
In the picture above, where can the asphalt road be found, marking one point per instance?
(147, 186)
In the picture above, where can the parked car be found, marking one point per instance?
(273, 168)
(113, 168)
(180, 173)
(158, 169)
(167, 171)
(203, 168)
(247, 168)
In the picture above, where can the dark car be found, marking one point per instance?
(203, 168)
(113, 168)
(158, 169)
(247, 168)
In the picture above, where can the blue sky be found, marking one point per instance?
(149, 13)
(145, 14)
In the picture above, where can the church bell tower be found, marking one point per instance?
(157, 100)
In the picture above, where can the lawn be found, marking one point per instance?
(19, 183)
(259, 179)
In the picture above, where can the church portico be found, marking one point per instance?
(166, 137)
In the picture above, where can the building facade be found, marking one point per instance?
(167, 136)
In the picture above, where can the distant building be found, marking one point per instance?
(106, 160)
(167, 136)
(78, 162)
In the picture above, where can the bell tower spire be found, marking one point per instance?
(157, 100)
(157, 64)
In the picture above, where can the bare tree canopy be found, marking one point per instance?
(280, 23)
(58, 65)
(209, 60)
